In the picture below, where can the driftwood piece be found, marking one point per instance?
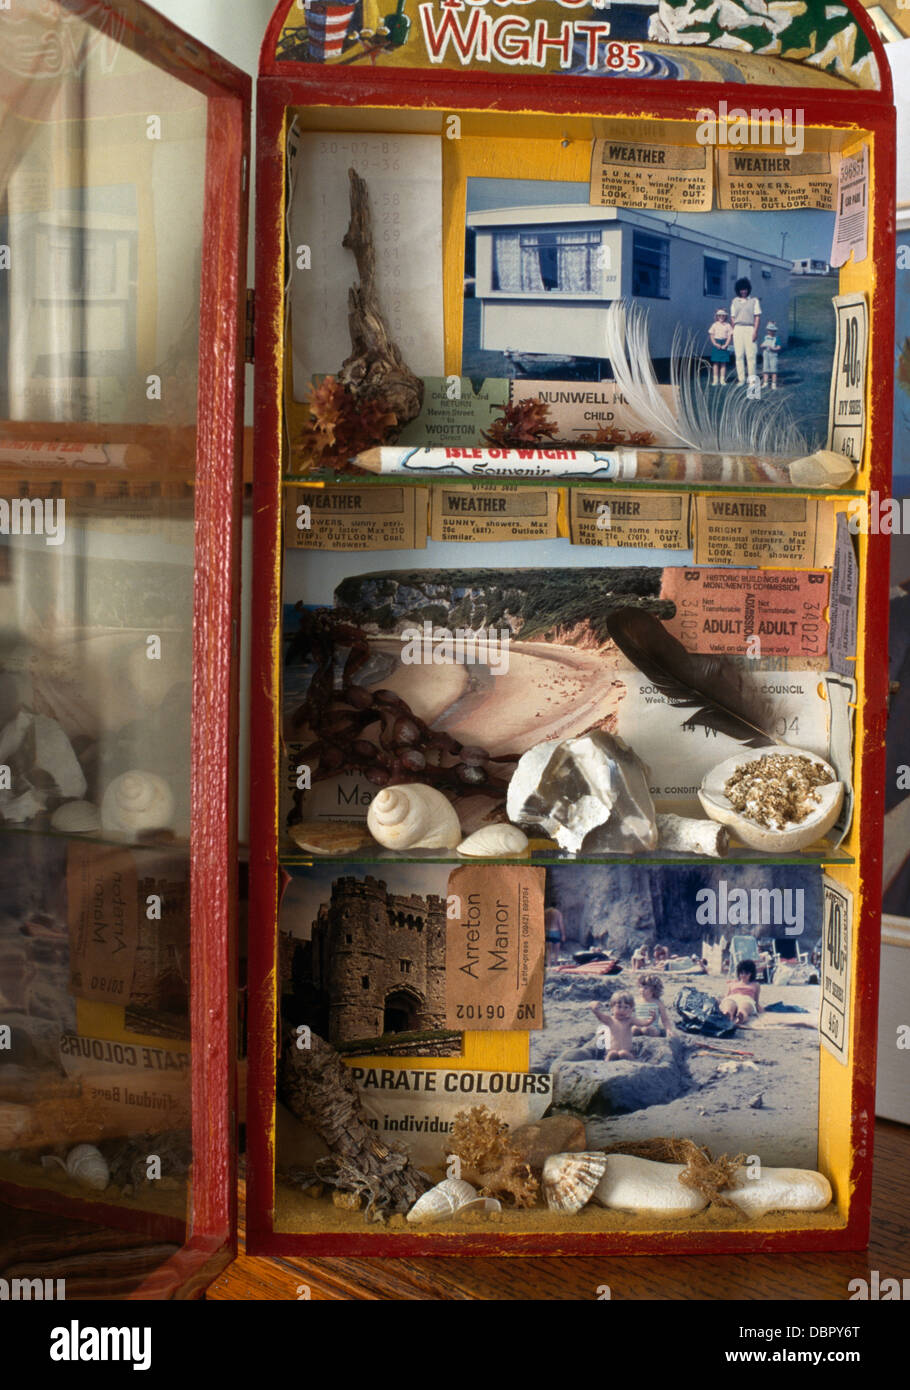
(319, 1090)
(375, 369)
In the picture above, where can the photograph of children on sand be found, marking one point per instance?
(637, 957)
(746, 295)
(362, 958)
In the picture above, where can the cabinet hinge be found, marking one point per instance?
(250, 338)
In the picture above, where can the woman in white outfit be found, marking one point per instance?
(745, 316)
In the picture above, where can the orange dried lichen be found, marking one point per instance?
(480, 1140)
(612, 435)
(525, 422)
(341, 426)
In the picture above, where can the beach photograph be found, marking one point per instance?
(677, 1002)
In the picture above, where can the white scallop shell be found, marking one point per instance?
(782, 839)
(494, 842)
(413, 816)
(137, 801)
(85, 1164)
(76, 818)
(570, 1179)
(444, 1201)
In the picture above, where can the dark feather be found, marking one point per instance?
(687, 679)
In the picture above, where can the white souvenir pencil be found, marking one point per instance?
(505, 463)
(822, 469)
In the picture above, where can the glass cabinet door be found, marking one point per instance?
(123, 157)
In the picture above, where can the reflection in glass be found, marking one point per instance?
(102, 180)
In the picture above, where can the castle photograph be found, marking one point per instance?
(364, 966)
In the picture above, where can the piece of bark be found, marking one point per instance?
(319, 1090)
(375, 369)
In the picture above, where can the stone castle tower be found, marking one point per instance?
(378, 960)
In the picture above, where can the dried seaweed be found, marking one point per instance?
(525, 422)
(480, 1140)
(319, 1090)
(341, 426)
(704, 1174)
(614, 435)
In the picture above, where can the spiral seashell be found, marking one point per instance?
(413, 816)
(136, 802)
(446, 1200)
(85, 1164)
(493, 842)
(76, 818)
(569, 1180)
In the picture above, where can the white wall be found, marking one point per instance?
(899, 58)
(234, 28)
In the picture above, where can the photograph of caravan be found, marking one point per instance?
(543, 270)
(685, 1001)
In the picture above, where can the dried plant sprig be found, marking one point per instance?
(526, 421)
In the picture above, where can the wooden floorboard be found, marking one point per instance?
(788, 1277)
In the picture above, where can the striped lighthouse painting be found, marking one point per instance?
(328, 22)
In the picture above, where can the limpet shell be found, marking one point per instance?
(330, 836)
(85, 1164)
(716, 804)
(76, 818)
(413, 816)
(446, 1200)
(569, 1180)
(494, 842)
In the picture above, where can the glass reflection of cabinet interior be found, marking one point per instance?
(106, 169)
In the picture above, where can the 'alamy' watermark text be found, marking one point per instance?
(463, 646)
(760, 125)
(751, 907)
(34, 516)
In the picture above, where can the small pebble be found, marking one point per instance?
(756, 1102)
(348, 1201)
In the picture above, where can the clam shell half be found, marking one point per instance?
(782, 839)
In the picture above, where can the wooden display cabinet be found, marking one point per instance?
(499, 255)
(124, 170)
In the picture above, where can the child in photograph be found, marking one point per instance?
(640, 959)
(651, 1017)
(721, 334)
(741, 1002)
(770, 347)
(619, 1020)
(614, 1041)
(745, 316)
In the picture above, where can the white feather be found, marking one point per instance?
(707, 419)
